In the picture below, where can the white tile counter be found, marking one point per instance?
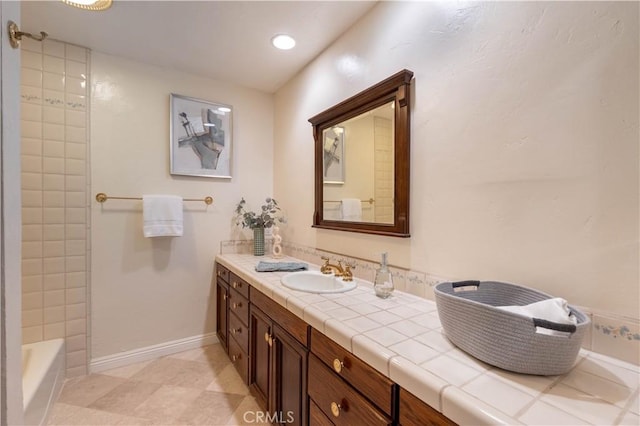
(402, 338)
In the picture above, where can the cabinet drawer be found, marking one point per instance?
(239, 305)
(339, 401)
(285, 319)
(222, 272)
(373, 385)
(239, 285)
(316, 416)
(239, 332)
(414, 412)
(239, 359)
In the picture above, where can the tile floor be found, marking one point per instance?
(196, 387)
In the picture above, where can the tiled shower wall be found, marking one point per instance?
(55, 213)
(383, 191)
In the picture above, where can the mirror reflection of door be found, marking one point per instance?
(358, 164)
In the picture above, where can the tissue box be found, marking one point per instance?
(504, 339)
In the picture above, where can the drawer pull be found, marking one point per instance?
(236, 305)
(236, 330)
(335, 409)
(266, 337)
(234, 358)
(236, 284)
(337, 365)
(225, 296)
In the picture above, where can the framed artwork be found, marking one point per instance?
(200, 142)
(333, 158)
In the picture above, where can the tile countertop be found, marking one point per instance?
(402, 338)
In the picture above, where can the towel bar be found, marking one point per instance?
(101, 197)
(370, 201)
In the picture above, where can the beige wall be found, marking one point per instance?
(153, 291)
(524, 155)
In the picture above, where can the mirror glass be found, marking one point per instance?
(358, 168)
(362, 161)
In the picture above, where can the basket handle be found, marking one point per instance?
(468, 283)
(567, 328)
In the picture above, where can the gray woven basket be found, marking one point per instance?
(505, 339)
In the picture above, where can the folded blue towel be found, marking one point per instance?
(281, 266)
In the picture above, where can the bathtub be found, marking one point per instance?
(43, 372)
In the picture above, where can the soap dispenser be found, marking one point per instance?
(383, 282)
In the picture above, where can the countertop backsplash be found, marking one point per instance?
(611, 334)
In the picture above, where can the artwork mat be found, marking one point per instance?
(184, 161)
(335, 175)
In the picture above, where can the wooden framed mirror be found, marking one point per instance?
(362, 161)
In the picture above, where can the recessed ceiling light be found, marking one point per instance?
(283, 42)
(89, 4)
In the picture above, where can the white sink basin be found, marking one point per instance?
(316, 282)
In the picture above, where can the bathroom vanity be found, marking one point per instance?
(297, 373)
(352, 358)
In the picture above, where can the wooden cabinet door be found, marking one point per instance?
(222, 297)
(289, 374)
(259, 355)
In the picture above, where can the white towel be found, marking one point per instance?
(351, 209)
(162, 215)
(554, 310)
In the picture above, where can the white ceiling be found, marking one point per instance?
(222, 40)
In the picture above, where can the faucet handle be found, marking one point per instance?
(348, 274)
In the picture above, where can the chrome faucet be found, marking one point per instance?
(338, 270)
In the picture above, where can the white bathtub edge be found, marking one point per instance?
(42, 377)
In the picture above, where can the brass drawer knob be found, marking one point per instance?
(335, 409)
(236, 305)
(236, 284)
(225, 296)
(266, 337)
(337, 365)
(236, 330)
(234, 358)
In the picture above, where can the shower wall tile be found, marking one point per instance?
(31, 146)
(32, 283)
(54, 48)
(54, 282)
(53, 148)
(54, 98)
(53, 64)
(54, 298)
(31, 129)
(53, 330)
(53, 115)
(53, 232)
(32, 301)
(76, 53)
(76, 118)
(31, 60)
(54, 315)
(53, 132)
(30, 112)
(31, 45)
(76, 134)
(32, 334)
(53, 81)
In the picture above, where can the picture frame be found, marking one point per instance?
(333, 155)
(200, 137)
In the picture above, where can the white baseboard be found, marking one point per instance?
(151, 352)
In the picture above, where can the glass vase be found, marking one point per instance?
(258, 241)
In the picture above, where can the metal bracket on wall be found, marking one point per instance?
(15, 35)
